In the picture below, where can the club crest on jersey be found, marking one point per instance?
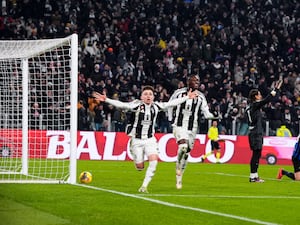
(142, 109)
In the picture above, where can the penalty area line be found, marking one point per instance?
(177, 205)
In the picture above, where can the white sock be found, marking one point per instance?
(182, 148)
(184, 161)
(178, 179)
(149, 173)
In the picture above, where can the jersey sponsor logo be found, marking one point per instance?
(186, 112)
(146, 122)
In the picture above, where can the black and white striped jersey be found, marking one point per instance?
(144, 115)
(188, 113)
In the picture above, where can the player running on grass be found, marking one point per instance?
(141, 130)
(296, 163)
(185, 120)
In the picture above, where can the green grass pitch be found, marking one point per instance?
(211, 194)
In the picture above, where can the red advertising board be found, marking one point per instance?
(114, 146)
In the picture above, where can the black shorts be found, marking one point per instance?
(214, 145)
(296, 163)
(255, 141)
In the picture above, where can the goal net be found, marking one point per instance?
(38, 110)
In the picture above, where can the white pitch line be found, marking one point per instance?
(236, 175)
(225, 196)
(230, 174)
(179, 206)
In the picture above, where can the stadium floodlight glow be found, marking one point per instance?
(38, 94)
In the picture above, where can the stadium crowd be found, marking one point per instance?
(124, 44)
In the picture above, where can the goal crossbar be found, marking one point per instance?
(28, 48)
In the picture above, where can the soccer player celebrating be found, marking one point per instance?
(141, 130)
(296, 164)
(185, 119)
(255, 121)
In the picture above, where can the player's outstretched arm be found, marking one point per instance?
(177, 101)
(116, 103)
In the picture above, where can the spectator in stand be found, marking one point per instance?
(242, 122)
(110, 57)
(205, 28)
(163, 124)
(273, 112)
(82, 117)
(96, 73)
(91, 112)
(238, 41)
(289, 118)
(100, 118)
(173, 44)
(35, 116)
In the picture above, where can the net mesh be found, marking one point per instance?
(48, 107)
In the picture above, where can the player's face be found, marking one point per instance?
(147, 97)
(258, 96)
(215, 123)
(194, 82)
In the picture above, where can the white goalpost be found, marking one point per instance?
(38, 110)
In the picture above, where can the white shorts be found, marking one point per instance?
(181, 133)
(139, 148)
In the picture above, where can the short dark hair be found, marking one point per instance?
(148, 87)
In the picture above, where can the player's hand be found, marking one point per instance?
(277, 86)
(273, 93)
(193, 94)
(99, 96)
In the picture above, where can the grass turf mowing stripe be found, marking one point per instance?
(12, 213)
(179, 206)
